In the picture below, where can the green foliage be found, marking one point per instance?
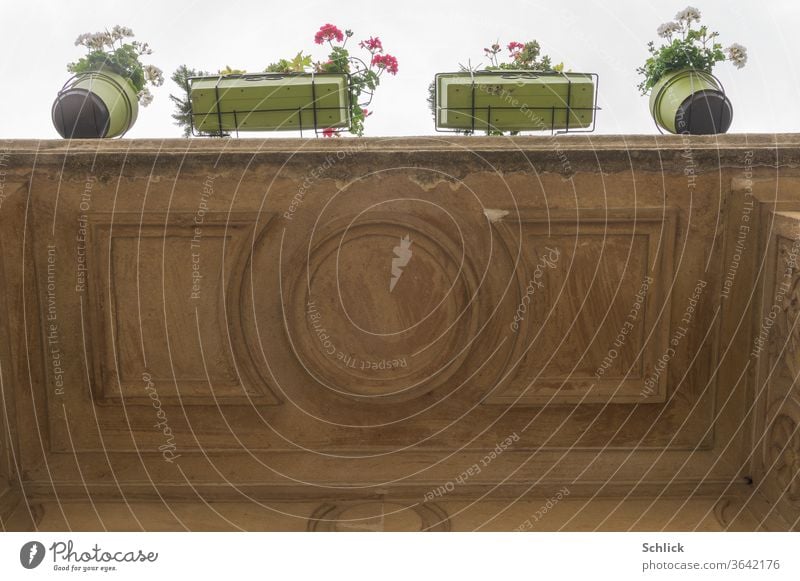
(527, 58)
(109, 51)
(696, 49)
(298, 64)
(364, 77)
(183, 105)
(686, 47)
(123, 61)
(229, 71)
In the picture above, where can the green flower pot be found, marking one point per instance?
(269, 102)
(95, 105)
(690, 101)
(515, 100)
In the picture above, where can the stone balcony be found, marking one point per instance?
(536, 333)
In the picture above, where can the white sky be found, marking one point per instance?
(609, 38)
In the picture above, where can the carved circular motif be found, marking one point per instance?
(788, 338)
(383, 308)
(783, 454)
(377, 517)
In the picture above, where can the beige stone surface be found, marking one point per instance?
(401, 333)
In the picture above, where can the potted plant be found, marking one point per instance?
(102, 98)
(329, 95)
(523, 92)
(685, 97)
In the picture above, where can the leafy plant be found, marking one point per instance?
(521, 57)
(298, 64)
(183, 106)
(364, 75)
(686, 47)
(109, 50)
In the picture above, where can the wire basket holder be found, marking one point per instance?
(130, 106)
(722, 115)
(240, 116)
(359, 66)
(474, 108)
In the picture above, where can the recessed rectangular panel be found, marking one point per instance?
(159, 308)
(593, 300)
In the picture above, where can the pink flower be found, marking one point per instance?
(515, 47)
(373, 44)
(385, 61)
(366, 112)
(330, 132)
(328, 32)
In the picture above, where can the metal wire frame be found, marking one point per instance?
(517, 74)
(259, 76)
(110, 80)
(722, 110)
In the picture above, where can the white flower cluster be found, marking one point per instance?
(688, 14)
(115, 40)
(120, 32)
(94, 41)
(153, 75)
(101, 40)
(737, 54)
(142, 47)
(667, 29)
(145, 97)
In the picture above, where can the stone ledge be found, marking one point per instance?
(727, 142)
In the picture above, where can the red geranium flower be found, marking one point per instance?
(328, 32)
(515, 47)
(373, 44)
(330, 132)
(385, 61)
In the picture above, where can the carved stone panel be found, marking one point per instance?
(376, 307)
(594, 305)
(160, 303)
(782, 455)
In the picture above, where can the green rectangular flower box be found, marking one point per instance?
(515, 100)
(269, 102)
